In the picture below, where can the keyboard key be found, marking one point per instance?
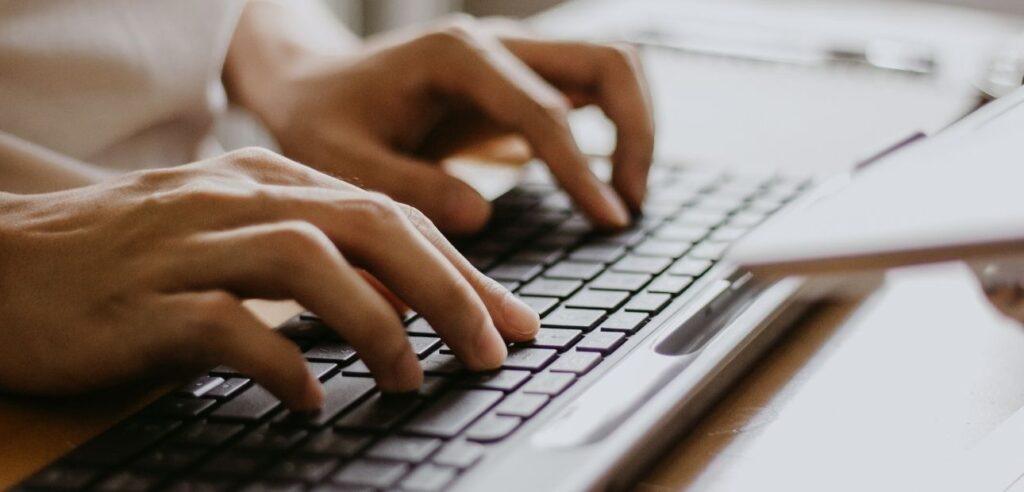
(728, 234)
(597, 299)
(320, 369)
(524, 405)
(168, 459)
(492, 428)
(304, 468)
(516, 272)
(129, 481)
(554, 338)
(678, 232)
(648, 302)
(371, 473)
(603, 342)
(336, 352)
(271, 439)
(691, 267)
(234, 463)
(428, 478)
(422, 346)
(309, 327)
(628, 322)
(641, 264)
(252, 404)
(629, 282)
(404, 448)
(227, 388)
(340, 394)
(599, 253)
(540, 305)
(549, 383)
(420, 326)
(459, 454)
(582, 319)
(199, 485)
(62, 477)
(379, 413)
(440, 363)
(576, 362)
(706, 217)
(178, 408)
(670, 284)
(331, 443)
(357, 369)
(708, 250)
(206, 434)
(199, 386)
(573, 270)
(549, 287)
(121, 442)
(539, 256)
(261, 485)
(504, 380)
(432, 385)
(531, 359)
(453, 412)
(662, 248)
(625, 238)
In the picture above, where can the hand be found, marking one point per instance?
(146, 274)
(1003, 283)
(366, 116)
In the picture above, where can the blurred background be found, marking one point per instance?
(371, 16)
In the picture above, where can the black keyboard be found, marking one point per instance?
(593, 291)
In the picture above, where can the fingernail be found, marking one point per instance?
(490, 349)
(617, 213)
(313, 395)
(519, 316)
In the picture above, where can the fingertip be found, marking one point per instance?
(312, 395)
(465, 210)
(406, 375)
(521, 322)
(614, 212)
(490, 350)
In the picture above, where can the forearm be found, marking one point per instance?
(274, 41)
(28, 168)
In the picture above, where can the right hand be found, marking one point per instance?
(146, 273)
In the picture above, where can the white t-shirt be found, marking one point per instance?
(123, 84)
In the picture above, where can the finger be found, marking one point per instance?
(505, 89)
(1009, 301)
(384, 292)
(515, 320)
(373, 232)
(296, 260)
(453, 204)
(228, 333)
(614, 76)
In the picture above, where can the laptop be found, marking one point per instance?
(642, 330)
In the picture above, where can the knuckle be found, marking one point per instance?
(456, 32)
(299, 240)
(214, 312)
(255, 159)
(623, 55)
(375, 210)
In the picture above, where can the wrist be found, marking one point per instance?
(275, 46)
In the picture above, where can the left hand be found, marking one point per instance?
(365, 117)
